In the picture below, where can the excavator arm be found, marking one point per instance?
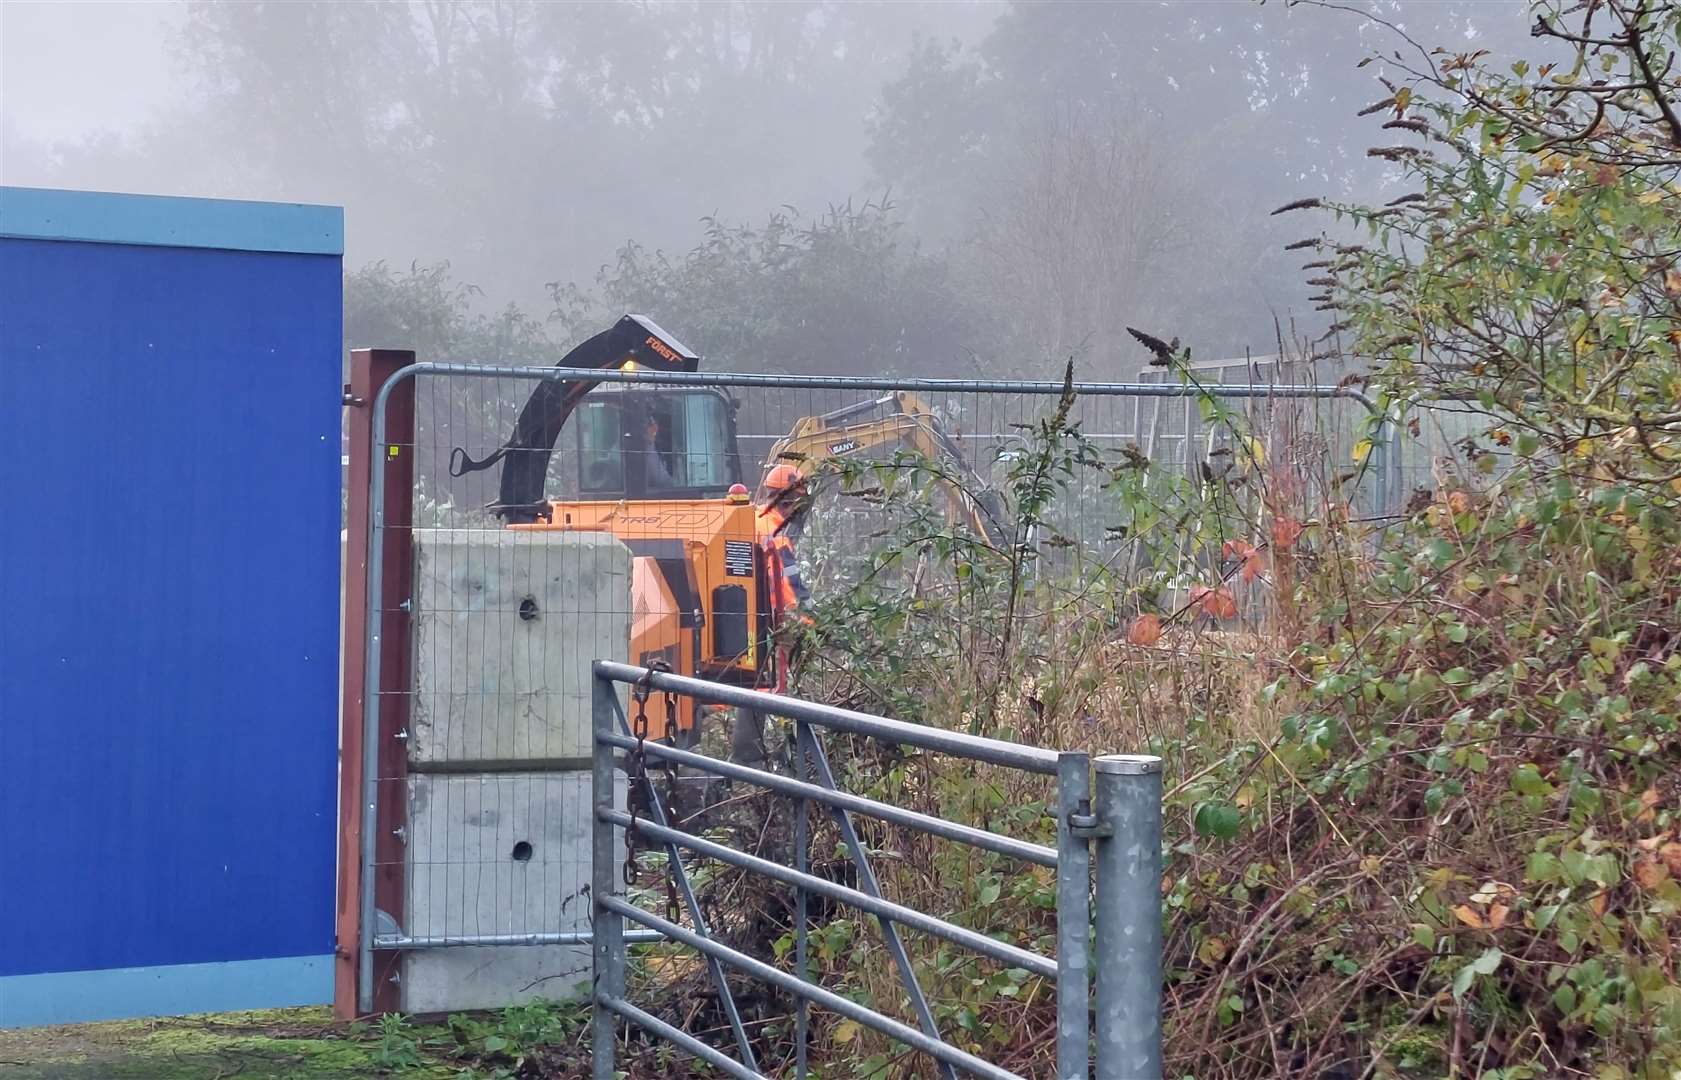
(635, 340)
(817, 440)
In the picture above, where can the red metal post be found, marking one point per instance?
(369, 370)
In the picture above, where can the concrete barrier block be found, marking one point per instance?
(493, 854)
(506, 625)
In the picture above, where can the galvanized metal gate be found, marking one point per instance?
(1119, 830)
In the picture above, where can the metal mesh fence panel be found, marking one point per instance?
(1108, 493)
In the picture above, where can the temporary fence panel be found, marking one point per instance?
(168, 376)
(475, 758)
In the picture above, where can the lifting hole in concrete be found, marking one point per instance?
(528, 609)
(522, 851)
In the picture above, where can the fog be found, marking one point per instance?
(915, 188)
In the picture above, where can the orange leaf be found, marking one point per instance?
(1648, 805)
(1672, 282)
(1459, 502)
(1497, 916)
(1215, 603)
(1650, 873)
(1254, 566)
(1600, 902)
(1237, 549)
(1470, 916)
(1671, 855)
(1285, 532)
(1145, 630)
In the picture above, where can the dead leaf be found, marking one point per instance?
(1254, 566)
(1237, 549)
(1497, 916)
(1672, 282)
(1145, 630)
(1670, 853)
(1459, 502)
(1492, 891)
(1606, 175)
(1599, 903)
(1470, 916)
(1285, 532)
(1216, 603)
(1650, 873)
(1212, 951)
(1648, 805)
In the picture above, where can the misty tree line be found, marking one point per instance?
(802, 186)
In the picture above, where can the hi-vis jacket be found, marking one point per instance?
(782, 569)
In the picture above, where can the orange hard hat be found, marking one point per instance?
(781, 478)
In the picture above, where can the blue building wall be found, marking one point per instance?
(169, 594)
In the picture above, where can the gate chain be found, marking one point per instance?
(671, 802)
(638, 765)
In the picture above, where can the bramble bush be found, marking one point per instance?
(1425, 818)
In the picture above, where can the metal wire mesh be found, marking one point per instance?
(504, 623)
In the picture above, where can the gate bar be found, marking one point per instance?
(867, 879)
(675, 1035)
(956, 743)
(1073, 919)
(606, 702)
(858, 804)
(1003, 952)
(893, 1029)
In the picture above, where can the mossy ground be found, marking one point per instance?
(268, 1045)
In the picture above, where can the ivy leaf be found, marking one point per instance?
(1219, 820)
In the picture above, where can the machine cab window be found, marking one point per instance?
(656, 444)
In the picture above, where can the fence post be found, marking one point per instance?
(1129, 917)
(802, 863)
(1073, 916)
(608, 949)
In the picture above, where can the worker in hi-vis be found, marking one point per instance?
(786, 499)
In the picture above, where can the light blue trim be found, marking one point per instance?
(73, 997)
(105, 217)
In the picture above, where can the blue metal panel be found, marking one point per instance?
(114, 218)
(169, 445)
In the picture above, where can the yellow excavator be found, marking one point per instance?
(901, 420)
(660, 468)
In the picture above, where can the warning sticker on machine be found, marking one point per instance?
(738, 558)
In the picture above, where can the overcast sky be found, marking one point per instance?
(72, 70)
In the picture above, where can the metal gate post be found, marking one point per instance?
(802, 930)
(1129, 917)
(608, 949)
(1073, 916)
